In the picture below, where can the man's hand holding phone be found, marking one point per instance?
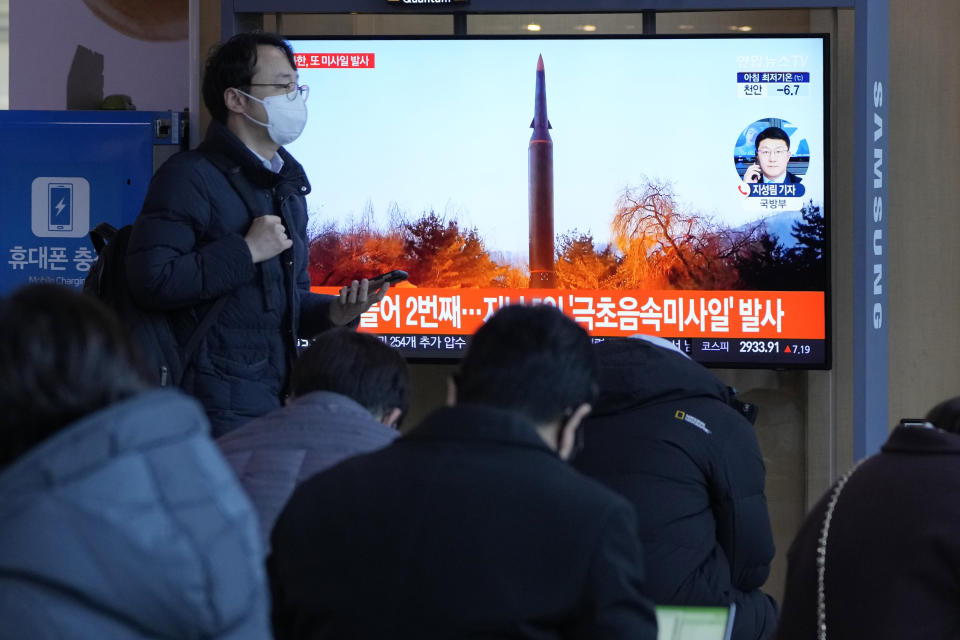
(359, 296)
(390, 277)
(753, 173)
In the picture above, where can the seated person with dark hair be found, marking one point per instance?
(471, 525)
(669, 436)
(349, 392)
(773, 155)
(118, 516)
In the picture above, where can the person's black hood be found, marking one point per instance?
(636, 372)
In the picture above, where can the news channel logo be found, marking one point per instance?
(60, 207)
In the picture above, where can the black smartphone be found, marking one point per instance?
(390, 276)
(754, 178)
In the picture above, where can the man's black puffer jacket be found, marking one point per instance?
(188, 249)
(665, 436)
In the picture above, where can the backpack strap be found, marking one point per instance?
(201, 331)
(100, 236)
(234, 174)
(232, 171)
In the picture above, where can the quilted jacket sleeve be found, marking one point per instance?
(167, 267)
(743, 522)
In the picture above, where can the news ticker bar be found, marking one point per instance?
(720, 315)
(733, 351)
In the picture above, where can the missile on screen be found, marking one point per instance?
(540, 176)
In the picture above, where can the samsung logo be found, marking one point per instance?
(877, 206)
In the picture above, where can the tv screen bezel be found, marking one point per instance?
(827, 205)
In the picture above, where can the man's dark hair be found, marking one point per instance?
(774, 133)
(946, 415)
(63, 355)
(356, 365)
(231, 64)
(532, 360)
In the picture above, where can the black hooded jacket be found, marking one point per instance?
(665, 434)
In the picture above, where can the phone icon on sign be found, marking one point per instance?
(60, 207)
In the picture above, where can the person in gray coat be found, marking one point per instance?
(118, 516)
(350, 392)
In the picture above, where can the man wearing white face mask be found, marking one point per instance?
(223, 228)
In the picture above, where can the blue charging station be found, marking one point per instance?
(63, 173)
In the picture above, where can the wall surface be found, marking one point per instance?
(924, 226)
(44, 61)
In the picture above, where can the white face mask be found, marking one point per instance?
(286, 118)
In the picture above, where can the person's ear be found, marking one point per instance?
(392, 417)
(567, 445)
(451, 391)
(234, 100)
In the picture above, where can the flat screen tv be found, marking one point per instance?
(672, 186)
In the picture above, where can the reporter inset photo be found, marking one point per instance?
(771, 151)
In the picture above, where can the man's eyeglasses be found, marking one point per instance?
(778, 153)
(290, 89)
